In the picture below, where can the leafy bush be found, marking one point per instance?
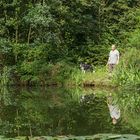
(128, 71)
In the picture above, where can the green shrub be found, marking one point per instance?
(128, 71)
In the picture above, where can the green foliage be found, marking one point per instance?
(37, 34)
(5, 76)
(37, 16)
(128, 71)
(133, 39)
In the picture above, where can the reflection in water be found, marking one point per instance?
(87, 98)
(61, 112)
(113, 109)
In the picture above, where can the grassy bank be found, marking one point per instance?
(98, 78)
(59, 74)
(127, 73)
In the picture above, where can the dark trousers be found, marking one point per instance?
(111, 67)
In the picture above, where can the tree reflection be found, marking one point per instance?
(61, 111)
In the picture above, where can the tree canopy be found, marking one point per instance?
(37, 33)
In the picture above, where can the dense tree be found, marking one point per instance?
(36, 33)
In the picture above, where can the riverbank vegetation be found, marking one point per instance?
(127, 72)
(43, 42)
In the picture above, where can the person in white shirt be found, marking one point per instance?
(113, 58)
(113, 109)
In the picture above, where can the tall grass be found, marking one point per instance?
(128, 71)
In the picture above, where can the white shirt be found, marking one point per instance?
(113, 57)
(114, 111)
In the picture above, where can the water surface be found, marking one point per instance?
(62, 111)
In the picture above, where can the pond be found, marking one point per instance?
(64, 111)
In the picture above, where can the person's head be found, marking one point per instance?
(114, 121)
(113, 47)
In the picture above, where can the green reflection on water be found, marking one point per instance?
(61, 111)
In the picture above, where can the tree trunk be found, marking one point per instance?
(18, 123)
(16, 34)
(99, 20)
(30, 130)
(29, 34)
